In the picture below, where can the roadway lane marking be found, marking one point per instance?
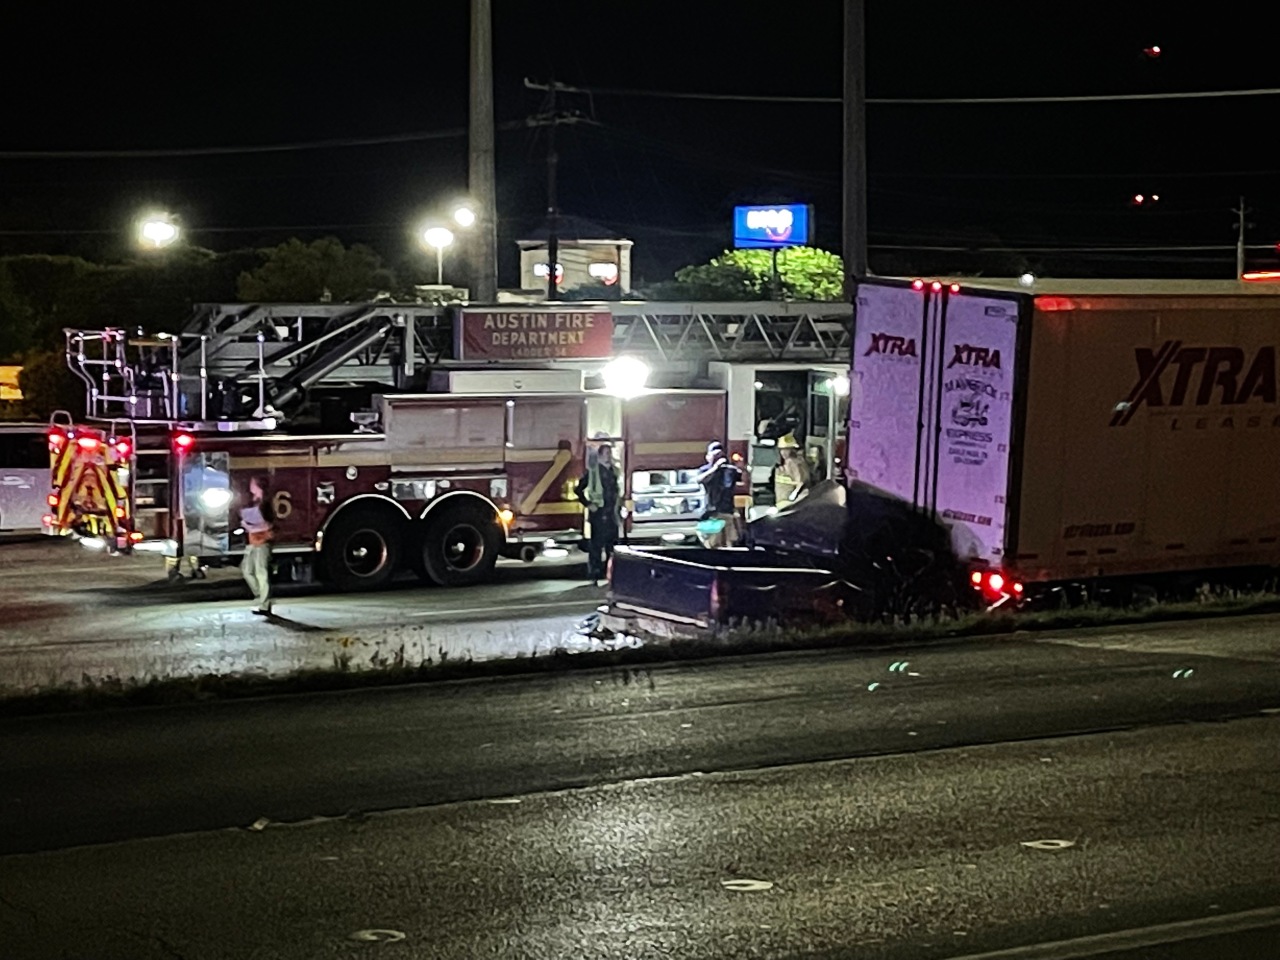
(1136, 938)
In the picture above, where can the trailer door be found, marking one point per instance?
(974, 426)
(931, 405)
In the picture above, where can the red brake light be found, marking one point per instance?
(184, 442)
(917, 284)
(995, 581)
(56, 439)
(88, 443)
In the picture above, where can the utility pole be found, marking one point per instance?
(553, 118)
(855, 143)
(480, 173)
(1240, 212)
(553, 210)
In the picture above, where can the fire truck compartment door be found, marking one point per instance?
(206, 503)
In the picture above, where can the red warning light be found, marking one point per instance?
(937, 287)
(56, 438)
(955, 288)
(1152, 52)
(184, 442)
(88, 443)
(996, 582)
(1261, 275)
(122, 447)
(47, 520)
(917, 284)
(52, 499)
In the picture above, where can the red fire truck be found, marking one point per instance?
(442, 482)
(442, 473)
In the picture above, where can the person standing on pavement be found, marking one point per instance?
(719, 478)
(598, 490)
(259, 523)
(792, 475)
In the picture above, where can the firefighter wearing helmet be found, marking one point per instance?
(792, 476)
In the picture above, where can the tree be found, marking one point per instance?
(804, 273)
(47, 384)
(39, 295)
(296, 272)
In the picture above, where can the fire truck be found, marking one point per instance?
(446, 462)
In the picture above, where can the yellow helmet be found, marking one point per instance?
(788, 442)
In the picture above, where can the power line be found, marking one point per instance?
(160, 153)
(918, 101)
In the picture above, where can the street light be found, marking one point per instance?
(438, 237)
(464, 216)
(157, 230)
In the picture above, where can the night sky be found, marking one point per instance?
(665, 172)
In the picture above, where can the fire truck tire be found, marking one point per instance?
(361, 550)
(460, 546)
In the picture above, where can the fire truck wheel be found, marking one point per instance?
(460, 546)
(361, 550)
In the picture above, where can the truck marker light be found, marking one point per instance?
(122, 447)
(506, 516)
(976, 577)
(184, 441)
(47, 520)
(936, 287)
(52, 499)
(135, 537)
(119, 513)
(955, 288)
(917, 284)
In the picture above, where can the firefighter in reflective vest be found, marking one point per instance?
(792, 475)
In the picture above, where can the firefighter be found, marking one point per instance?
(720, 525)
(792, 476)
(258, 523)
(598, 490)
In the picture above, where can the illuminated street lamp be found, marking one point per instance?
(464, 215)
(157, 231)
(438, 237)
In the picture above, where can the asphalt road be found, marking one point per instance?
(1152, 834)
(67, 613)
(77, 779)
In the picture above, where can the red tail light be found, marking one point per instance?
(123, 448)
(995, 581)
(57, 439)
(917, 284)
(937, 287)
(183, 442)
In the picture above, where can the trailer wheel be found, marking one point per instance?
(361, 550)
(460, 545)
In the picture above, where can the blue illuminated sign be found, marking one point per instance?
(787, 225)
